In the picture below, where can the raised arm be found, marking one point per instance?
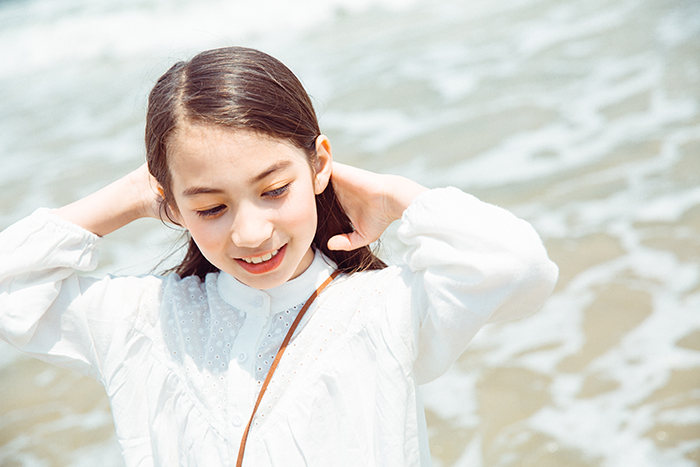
(48, 308)
(468, 262)
(131, 197)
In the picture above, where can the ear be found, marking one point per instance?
(172, 213)
(323, 165)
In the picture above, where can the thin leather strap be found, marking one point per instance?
(277, 359)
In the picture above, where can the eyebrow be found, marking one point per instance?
(276, 167)
(198, 190)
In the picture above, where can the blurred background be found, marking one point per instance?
(581, 116)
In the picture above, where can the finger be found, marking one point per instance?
(339, 169)
(347, 242)
(348, 176)
(340, 242)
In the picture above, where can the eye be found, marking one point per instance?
(211, 212)
(277, 193)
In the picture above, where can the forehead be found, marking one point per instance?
(209, 154)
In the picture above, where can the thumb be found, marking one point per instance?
(347, 242)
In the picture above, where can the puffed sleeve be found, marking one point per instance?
(472, 263)
(50, 312)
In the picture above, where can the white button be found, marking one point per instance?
(242, 357)
(236, 420)
(257, 303)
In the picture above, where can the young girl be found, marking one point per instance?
(200, 365)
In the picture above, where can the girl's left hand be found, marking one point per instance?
(372, 202)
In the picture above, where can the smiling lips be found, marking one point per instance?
(260, 259)
(264, 263)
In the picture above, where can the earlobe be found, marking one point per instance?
(323, 165)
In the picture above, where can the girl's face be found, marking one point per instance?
(247, 200)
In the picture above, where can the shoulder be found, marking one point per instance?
(450, 206)
(162, 286)
(168, 295)
(369, 283)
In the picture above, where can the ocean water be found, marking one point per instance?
(581, 116)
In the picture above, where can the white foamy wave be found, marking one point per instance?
(45, 34)
(670, 207)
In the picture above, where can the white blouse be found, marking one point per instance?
(182, 360)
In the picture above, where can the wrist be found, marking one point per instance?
(108, 209)
(138, 194)
(400, 193)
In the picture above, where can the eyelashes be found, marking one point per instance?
(211, 212)
(277, 193)
(272, 194)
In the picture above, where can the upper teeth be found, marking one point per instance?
(260, 259)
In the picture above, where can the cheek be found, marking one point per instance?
(300, 216)
(207, 235)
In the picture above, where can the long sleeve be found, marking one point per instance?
(47, 309)
(472, 263)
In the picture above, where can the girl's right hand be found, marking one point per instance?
(132, 197)
(146, 190)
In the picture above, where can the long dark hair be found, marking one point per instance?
(242, 89)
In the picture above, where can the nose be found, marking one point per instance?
(251, 226)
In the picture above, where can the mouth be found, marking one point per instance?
(261, 259)
(262, 264)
